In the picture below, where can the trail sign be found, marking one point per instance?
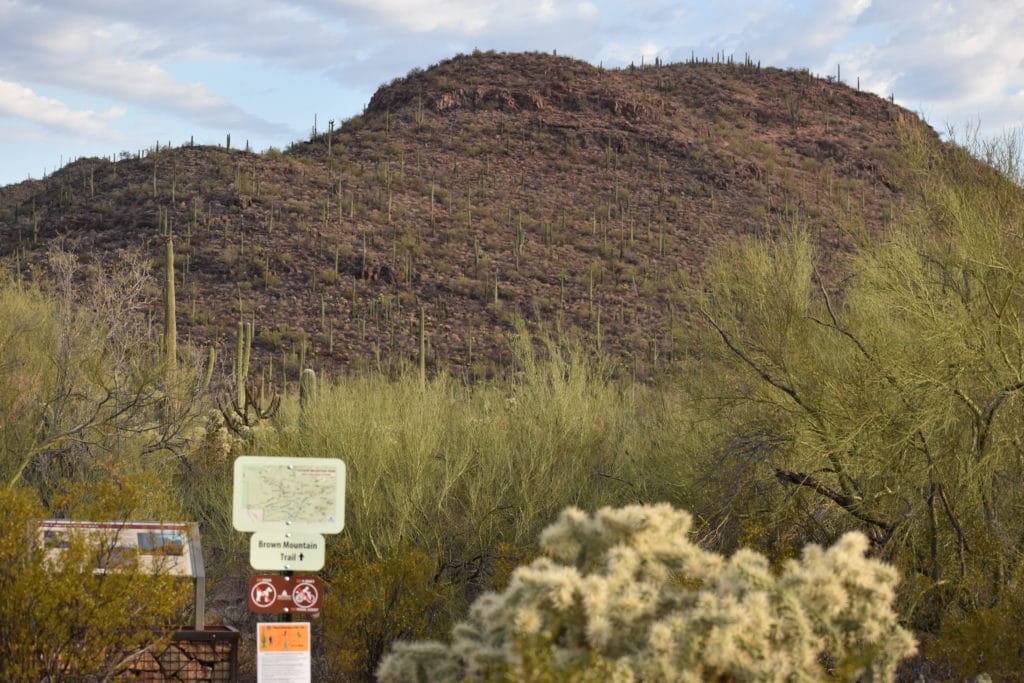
(276, 594)
(169, 547)
(289, 494)
(283, 652)
(287, 551)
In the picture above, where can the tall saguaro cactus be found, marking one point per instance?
(170, 322)
(307, 388)
(307, 397)
(243, 348)
(423, 348)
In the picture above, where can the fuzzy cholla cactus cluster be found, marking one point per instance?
(626, 596)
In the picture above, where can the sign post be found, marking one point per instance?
(287, 504)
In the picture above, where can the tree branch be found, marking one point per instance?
(778, 384)
(852, 505)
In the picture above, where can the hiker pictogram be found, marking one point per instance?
(275, 594)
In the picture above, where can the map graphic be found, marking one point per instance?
(302, 494)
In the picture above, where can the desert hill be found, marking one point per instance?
(483, 189)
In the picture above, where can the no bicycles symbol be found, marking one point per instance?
(285, 595)
(305, 596)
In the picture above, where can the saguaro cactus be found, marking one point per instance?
(307, 388)
(243, 347)
(249, 404)
(423, 348)
(211, 360)
(170, 323)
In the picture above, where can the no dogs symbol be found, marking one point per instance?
(263, 594)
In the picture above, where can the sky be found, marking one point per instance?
(101, 77)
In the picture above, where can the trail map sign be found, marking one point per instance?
(285, 494)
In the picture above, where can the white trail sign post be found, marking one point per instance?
(287, 504)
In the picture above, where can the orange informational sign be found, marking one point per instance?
(283, 652)
(284, 637)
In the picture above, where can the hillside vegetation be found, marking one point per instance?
(485, 188)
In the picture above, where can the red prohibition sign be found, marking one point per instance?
(263, 594)
(305, 595)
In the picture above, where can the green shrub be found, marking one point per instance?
(372, 601)
(431, 466)
(62, 620)
(624, 595)
(82, 380)
(327, 276)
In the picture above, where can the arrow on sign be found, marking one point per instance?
(290, 551)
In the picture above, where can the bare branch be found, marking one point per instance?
(850, 504)
(778, 384)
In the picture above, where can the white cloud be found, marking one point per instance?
(113, 59)
(147, 83)
(460, 16)
(955, 60)
(951, 58)
(21, 102)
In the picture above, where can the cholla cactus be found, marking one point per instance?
(625, 596)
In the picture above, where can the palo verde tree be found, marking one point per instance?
(83, 382)
(891, 403)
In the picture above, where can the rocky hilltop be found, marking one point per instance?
(485, 189)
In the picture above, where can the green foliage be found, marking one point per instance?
(624, 595)
(462, 469)
(893, 405)
(83, 384)
(25, 316)
(61, 620)
(371, 602)
(985, 639)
